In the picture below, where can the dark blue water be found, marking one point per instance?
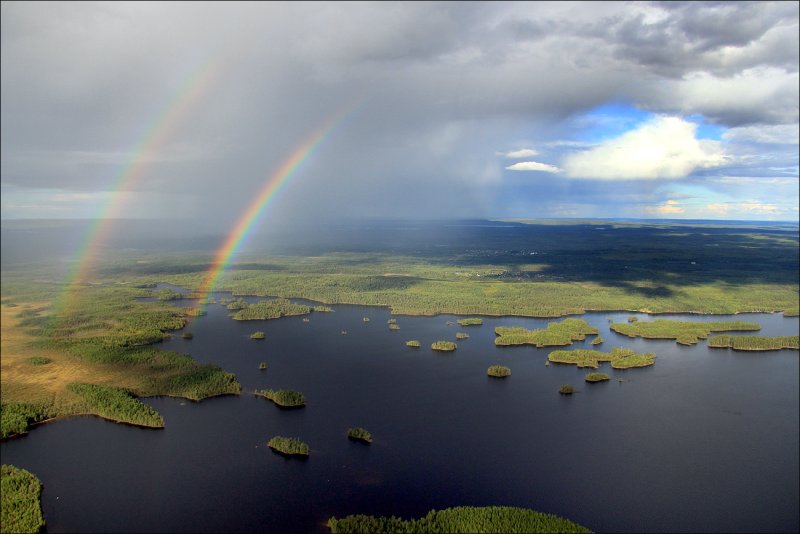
(705, 440)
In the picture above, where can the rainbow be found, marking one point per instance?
(269, 190)
(162, 129)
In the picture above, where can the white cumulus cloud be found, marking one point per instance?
(663, 147)
(533, 166)
(521, 153)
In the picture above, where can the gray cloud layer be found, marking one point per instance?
(441, 87)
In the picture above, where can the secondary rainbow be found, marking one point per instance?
(268, 192)
(156, 136)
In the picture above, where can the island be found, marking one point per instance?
(258, 335)
(462, 335)
(413, 343)
(285, 398)
(566, 389)
(359, 434)
(684, 332)
(444, 346)
(459, 519)
(270, 309)
(470, 321)
(620, 358)
(596, 377)
(498, 371)
(754, 343)
(556, 334)
(288, 446)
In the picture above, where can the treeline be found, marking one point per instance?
(21, 509)
(556, 334)
(755, 342)
(117, 404)
(270, 309)
(684, 332)
(16, 417)
(460, 519)
(620, 358)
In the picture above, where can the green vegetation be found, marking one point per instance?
(470, 321)
(285, 398)
(187, 335)
(21, 509)
(262, 366)
(234, 305)
(258, 335)
(462, 335)
(755, 343)
(117, 404)
(566, 389)
(15, 418)
(596, 377)
(413, 343)
(597, 340)
(392, 321)
(39, 360)
(560, 333)
(168, 294)
(270, 309)
(487, 519)
(620, 358)
(685, 332)
(499, 371)
(445, 346)
(324, 309)
(360, 434)
(394, 326)
(288, 446)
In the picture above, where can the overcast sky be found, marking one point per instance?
(598, 109)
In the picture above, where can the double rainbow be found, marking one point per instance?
(163, 128)
(269, 190)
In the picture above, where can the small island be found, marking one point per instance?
(461, 335)
(394, 326)
(470, 321)
(498, 371)
(596, 377)
(288, 446)
(187, 335)
(444, 346)
(262, 366)
(258, 335)
(597, 340)
(754, 343)
(365, 319)
(269, 309)
(285, 398)
(359, 434)
(566, 389)
(413, 343)
(323, 309)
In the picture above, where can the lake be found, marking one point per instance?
(704, 440)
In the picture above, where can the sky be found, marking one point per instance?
(481, 110)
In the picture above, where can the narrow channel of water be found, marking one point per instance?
(705, 440)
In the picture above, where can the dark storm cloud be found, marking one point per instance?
(439, 89)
